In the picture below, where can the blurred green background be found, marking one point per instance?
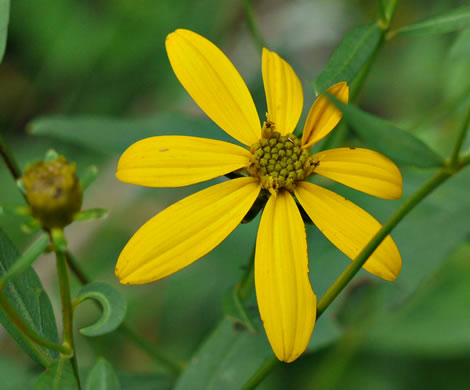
(90, 77)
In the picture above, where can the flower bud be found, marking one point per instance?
(53, 192)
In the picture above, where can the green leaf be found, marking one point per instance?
(354, 51)
(435, 320)
(15, 375)
(102, 377)
(113, 136)
(145, 381)
(4, 19)
(229, 357)
(59, 376)
(453, 20)
(461, 47)
(26, 294)
(385, 137)
(112, 302)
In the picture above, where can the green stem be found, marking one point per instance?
(67, 310)
(252, 25)
(441, 176)
(125, 330)
(9, 159)
(25, 260)
(150, 349)
(460, 139)
(247, 282)
(29, 334)
(261, 373)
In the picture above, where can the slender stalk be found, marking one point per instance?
(428, 187)
(150, 349)
(25, 260)
(67, 310)
(252, 25)
(460, 139)
(261, 373)
(246, 284)
(9, 159)
(125, 330)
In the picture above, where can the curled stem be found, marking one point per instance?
(124, 329)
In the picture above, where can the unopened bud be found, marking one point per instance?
(53, 192)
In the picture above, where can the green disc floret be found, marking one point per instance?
(278, 160)
(53, 192)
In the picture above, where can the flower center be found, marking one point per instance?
(278, 160)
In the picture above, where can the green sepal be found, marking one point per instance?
(87, 215)
(22, 211)
(88, 176)
(51, 155)
(31, 227)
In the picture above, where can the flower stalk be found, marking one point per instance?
(67, 310)
(10, 161)
(460, 139)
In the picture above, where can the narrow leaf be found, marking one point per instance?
(113, 136)
(28, 297)
(453, 20)
(383, 136)
(102, 377)
(4, 19)
(461, 47)
(230, 348)
(356, 48)
(59, 376)
(112, 302)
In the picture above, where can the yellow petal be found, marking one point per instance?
(174, 161)
(324, 116)
(283, 92)
(286, 301)
(349, 228)
(185, 231)
(361, 169)
(214, 84)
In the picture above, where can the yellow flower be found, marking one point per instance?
(274, 160)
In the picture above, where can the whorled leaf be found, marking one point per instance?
(112, 303)
(383, 136)
(102, 377)
(26, 294)
(356, 48)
